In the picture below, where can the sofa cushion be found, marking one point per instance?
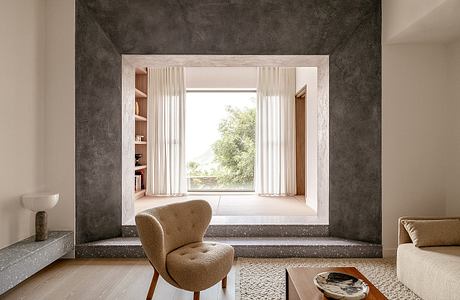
(430, 272)
(425, 233)
(198, 266)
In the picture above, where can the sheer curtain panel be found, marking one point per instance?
(166, 132)
(275, 132)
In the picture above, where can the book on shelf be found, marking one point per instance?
(137, 182)
(141, 173)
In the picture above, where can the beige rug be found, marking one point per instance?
(264, 278)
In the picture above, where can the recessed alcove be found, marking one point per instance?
(109, 33)
(317, 157)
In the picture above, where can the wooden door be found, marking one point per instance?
(300, 120)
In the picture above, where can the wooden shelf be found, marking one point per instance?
(140, 94)
(140, 126)
(141, 71)
(140, 118)
(139, 194)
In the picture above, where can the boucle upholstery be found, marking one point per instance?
(403, 236)
(430, 233)
(164, 229)
(430, 272)
(198, 266)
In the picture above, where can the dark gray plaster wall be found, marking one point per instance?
(347, 30)
(355, 134)
(98, 131)
(229, 26)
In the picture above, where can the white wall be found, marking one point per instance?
(128, 82)
(309, 76)
(37, 112)
(453, 175)
(414, 139)
(420, 109)
(221, 77)
(398, 15)
(421, 21)
(22, 33)
(60, 111)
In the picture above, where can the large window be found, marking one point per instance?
(220, 140)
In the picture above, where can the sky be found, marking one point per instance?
(203, 113)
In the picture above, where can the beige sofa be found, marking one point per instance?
(433, 273)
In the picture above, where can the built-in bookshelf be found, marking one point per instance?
(140, 138)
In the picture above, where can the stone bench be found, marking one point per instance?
(25, 258)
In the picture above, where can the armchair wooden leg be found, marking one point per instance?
(224, 282)
(153, 284)
(196, 296)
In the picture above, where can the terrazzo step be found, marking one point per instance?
(253, 230)
(324, 247)
(25, 258)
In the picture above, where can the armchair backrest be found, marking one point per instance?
(165, 228)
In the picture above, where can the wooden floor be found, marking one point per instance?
(106, 279)
(238, 205)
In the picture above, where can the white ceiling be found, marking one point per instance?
(438, 23)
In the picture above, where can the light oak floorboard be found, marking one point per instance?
(107, 279)
(238, 205)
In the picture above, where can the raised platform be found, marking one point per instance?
(25, 258)
(325, 247)
(253, 230)
(249, 240)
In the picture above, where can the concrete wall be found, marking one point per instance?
(355, 134)
(349, 32)
(453, 166)
(98, 138)
(22, 78)
(414, 111)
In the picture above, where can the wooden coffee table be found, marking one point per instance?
(300, 286)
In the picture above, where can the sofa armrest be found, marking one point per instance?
(403, 236)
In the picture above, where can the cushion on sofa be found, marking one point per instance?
(425, 233)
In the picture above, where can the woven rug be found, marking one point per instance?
(264, 278)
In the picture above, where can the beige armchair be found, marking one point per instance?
(172, 239)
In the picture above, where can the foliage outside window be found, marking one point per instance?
(227, 162)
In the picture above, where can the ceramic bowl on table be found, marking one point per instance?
(337, 285)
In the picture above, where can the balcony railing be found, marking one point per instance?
(211, 184)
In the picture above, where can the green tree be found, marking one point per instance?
(194, 169)
(235, 150)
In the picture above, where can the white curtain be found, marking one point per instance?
(275, 132)
(166, 132)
